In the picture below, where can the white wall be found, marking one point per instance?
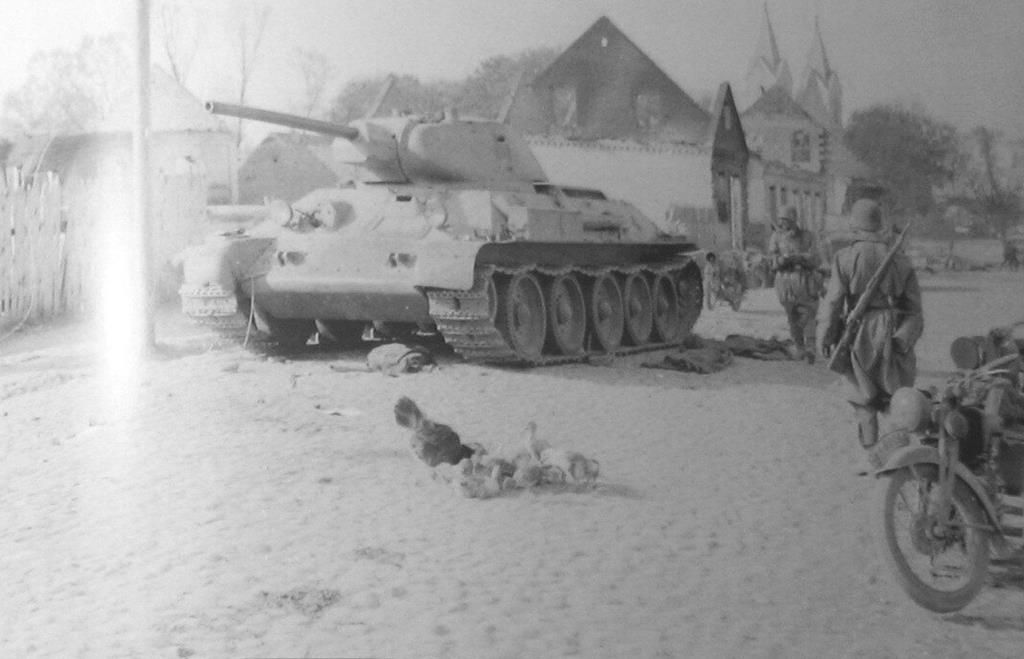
(650, 177)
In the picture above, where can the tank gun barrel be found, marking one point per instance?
(282, 119)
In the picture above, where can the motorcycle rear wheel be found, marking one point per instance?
(910, 544)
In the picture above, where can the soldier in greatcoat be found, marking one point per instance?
(882, 351)
(795, 262)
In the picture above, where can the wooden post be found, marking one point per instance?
(140, 149)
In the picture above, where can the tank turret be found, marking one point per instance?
(412, 149)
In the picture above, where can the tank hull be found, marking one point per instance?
(347, 292)
(467, 263)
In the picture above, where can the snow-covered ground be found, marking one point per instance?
(232, 505)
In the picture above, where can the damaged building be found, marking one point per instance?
(605, 115)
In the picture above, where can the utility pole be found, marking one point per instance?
(140, 151)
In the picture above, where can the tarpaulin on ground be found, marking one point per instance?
(754, 348)
(710, 355)
(705, 359)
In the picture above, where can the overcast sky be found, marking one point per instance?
(962, 59)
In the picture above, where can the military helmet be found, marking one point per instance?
(866, 216)
(788, 216)
(909, 409)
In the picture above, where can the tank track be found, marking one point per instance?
(465, 320)
(231, 327)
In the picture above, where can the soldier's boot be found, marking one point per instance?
(794, 316)
(809, 354)
(809, 339)
(798, 350)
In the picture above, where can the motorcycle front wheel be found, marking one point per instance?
(941, 564)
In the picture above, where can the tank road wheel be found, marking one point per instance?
(567, 314)
(605, 312)
(522, 316)
(691, 298)
(668, 324)
(287, 332)
(639, 309)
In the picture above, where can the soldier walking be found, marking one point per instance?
(882, 351)
(795, 261)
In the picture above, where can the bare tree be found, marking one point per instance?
(70, 91)
(317, 71)
(180, 40)
(983, 185)
(252, 25)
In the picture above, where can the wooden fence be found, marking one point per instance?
(50, 237)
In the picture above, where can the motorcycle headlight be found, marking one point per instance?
(955, 425)
(909, 409)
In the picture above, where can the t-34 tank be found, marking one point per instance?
(455, 229)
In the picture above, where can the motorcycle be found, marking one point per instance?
(950, 487)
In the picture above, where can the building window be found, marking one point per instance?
(783, 197)
(649, 109)
(773, 205)
(801, 151)
(565, 106)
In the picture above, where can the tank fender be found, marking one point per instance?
(223, 261)
(207, 265)
(446, 264)
(911, 455)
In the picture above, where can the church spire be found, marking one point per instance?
(820, 92)
(767, 69)
(767, 47)
(817, 58)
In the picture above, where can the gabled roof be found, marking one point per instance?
(724, 102)
(564, 65)
(319, 146)
(572, 60)
(777, 101)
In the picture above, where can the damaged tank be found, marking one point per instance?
(452, 228)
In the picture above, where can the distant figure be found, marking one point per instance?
(1011, 260)
(882, 351)
(712, 280)
(795, 261)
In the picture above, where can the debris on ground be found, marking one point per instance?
(396, 358)
(698, 355)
